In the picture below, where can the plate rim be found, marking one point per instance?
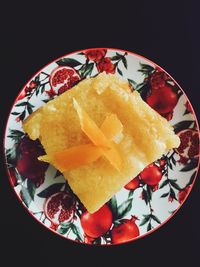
(4, 141)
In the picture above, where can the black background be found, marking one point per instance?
(33, 35)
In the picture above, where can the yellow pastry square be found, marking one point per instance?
(111, 131)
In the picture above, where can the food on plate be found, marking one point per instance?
(100, 134)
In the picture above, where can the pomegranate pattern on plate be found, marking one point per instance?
(147, 201)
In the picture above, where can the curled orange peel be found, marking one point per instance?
(102, 144)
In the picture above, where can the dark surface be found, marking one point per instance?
(33, 36)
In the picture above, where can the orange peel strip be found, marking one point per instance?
(74, 157)
(84, 154)
(96, 135)
(90, 128)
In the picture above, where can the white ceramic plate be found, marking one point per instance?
(144, 205)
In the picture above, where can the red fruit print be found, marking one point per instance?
(188, 106)
(133, 184)
(59, 208)
(18, 119)
(189, 146)
(163, 100)
(124, 232)
(168, 116)
(51, 93)
(106, 65)
(182, 194)
(72, 81)
(95, 54)
(162, 163)
(183, 160)
(27, 163)
(170, 198)
(63, 76)
(32, 84)
(142, 195)
(27, 89)
(151, 175)
(60, 76)
(97, 223)
(54, 226)
(63, 89)
(154, 187)
(158, 80)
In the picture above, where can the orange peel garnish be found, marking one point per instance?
(74, 157)
(102, 144)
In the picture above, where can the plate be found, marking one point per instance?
(141, 207)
